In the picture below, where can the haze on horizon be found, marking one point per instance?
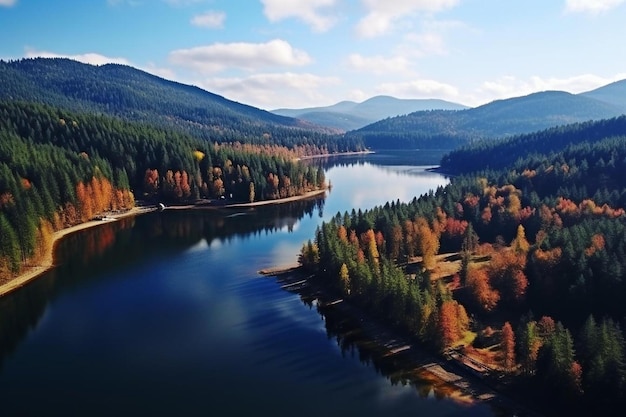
(306, 53)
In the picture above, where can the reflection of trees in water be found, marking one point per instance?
(348, 332)
(228, 224)
(93, 253)
(353, 341)
(382, 158)
(406, 368)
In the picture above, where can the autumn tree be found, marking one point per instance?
(507, 345)
(428, 241)
(484, 295)
(528, 343)
(344, 278)
(309, 255)
(453, 322)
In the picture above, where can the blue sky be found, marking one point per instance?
(303, 53)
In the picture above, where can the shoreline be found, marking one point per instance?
(446, 374)
(30, 273)
(219, 205)
(327, 155)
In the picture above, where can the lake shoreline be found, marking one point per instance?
(446, 374)
(32, 272)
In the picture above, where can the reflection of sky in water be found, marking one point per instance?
(370, 185)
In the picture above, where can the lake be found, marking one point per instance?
(166, 314)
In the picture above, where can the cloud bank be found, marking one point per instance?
(247, 56)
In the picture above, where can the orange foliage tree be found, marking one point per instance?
(453, 323)
(484, 295)
(507, 344)
(428, 242)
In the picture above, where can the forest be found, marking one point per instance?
(59, 168)
(518, 268)
(134, 95)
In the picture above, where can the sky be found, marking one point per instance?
(307, 53)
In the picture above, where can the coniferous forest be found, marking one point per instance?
(518, 267)
(59, 168)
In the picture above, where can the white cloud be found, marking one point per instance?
(591, 6)
(249, 56)
(7, 3)
(211, 19)
(274, 90)
(381, 14)
(419, 89)
(306, 10)
(510, 86)
(166, 73)
(88, 58)
(378, 64)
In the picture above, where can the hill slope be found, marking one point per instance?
(349, 115)
(495, 155)
(132, 94)
(614, 93)
(501, 118)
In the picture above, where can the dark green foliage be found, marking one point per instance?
(123, 91)
(496, 155)
(45, 152)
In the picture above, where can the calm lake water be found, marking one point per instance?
(166, 314)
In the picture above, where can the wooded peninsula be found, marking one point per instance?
(515, 269)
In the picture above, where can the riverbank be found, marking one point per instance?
(31, 272)
(221, 204)
(447, 376)
(327, 155)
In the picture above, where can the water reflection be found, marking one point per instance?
(171, 303)
(93, 254)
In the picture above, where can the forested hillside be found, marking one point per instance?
(441, 129)
(59, 168)
(536, 267)
(487, 154)
(129, 93)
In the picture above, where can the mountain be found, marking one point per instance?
(350, 115)
(614, 93)
(500, 118)
(132, 94)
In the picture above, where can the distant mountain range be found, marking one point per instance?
(380, 122)
(350, 115)
(500, 118)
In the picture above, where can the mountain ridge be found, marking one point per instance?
(497, 119)
(130, 93)
(350, 115)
